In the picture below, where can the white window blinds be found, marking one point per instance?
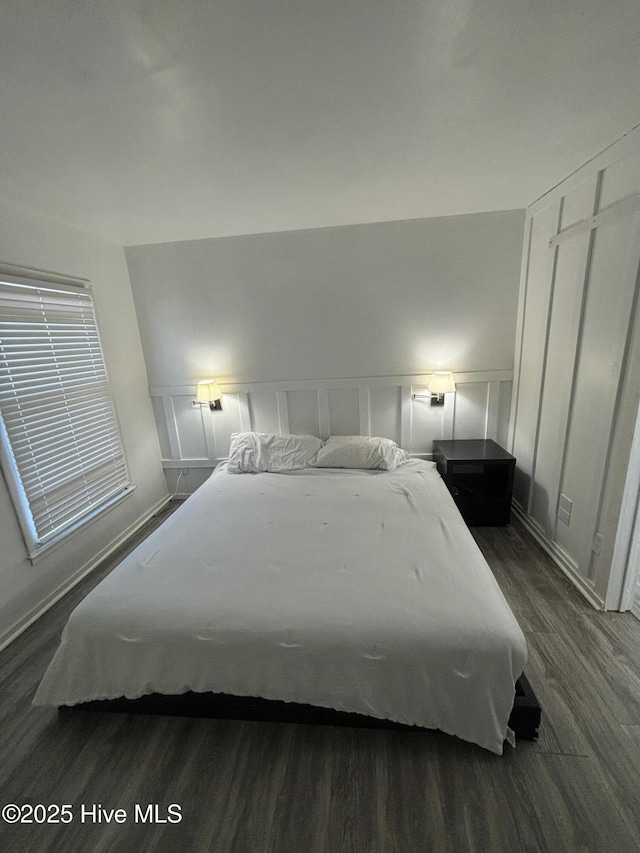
(60, 437)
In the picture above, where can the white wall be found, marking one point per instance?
(577, 378)
(30, 241)
(366, 300)
(396, 300)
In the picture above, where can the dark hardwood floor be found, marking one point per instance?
(249, 787)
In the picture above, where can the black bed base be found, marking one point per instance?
(524, 719)
(526, 712)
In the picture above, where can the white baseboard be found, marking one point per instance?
(561, 559)
(12, 633)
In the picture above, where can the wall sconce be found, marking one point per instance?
(208, 391)
(441, 383)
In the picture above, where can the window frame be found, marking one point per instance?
(38, 544)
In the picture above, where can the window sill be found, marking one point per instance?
(36, 553)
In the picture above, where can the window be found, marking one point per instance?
(60, 445)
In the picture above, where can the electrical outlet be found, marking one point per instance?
(597, 543)
(564, 509)
(185, 471)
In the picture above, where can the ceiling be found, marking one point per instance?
(148, 121)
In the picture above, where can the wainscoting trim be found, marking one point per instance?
(380, 405)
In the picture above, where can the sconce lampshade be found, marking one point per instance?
(441, 382)
(208, 391)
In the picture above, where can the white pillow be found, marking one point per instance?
(255, 452)
(360, 451)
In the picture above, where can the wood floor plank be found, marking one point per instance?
(559, 733)
(304, 791)
(633, 732)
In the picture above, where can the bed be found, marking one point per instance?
(354, 589)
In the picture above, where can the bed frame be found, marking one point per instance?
(524, 719)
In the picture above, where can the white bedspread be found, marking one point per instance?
(356, 590)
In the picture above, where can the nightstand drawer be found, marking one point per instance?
(467, 468)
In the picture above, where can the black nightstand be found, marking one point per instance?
(479, 475)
